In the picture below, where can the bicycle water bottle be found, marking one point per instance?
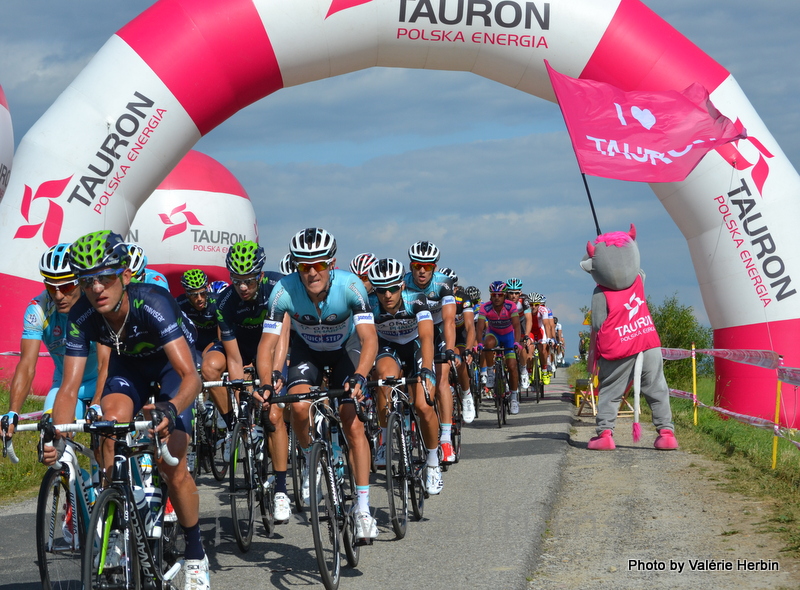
(88, 484)
(148, 503)
(407, 419)
(338, 457)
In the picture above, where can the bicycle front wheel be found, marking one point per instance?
(298, 461)
(216, 441)
(60, 533)
(499, 394)
(397, 475)
(242, 491)
(110, 559)
(266, 493)
(324, 517)
(418, 465)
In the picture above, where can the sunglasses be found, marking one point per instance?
(196, 294)
(63, 288)
(317, 266)
(104, 278)
(426, 266)
(383, 290)
(497, 294)
(251, 282)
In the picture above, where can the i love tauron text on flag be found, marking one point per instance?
(642, 136)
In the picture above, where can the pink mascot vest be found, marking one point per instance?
(629, 328)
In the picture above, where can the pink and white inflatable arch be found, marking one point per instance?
(184, 66)
(192, 218)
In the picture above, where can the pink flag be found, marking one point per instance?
(639, 136)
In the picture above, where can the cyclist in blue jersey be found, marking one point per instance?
(138, 266)
(360, 265)
(438, 289)
(331, 326)
(45, 322)
(465, 342)
(405, 347)
(199, 304)
(150, 341)
(241, 311)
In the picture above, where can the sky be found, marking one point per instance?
(385, 157)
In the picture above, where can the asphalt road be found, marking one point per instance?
(483, 531)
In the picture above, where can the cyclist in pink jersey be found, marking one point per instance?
(503, 330)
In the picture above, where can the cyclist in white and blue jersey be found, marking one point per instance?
(142, 274)
(331, 326)
(405, 347)
(438, 289)
(45, 321)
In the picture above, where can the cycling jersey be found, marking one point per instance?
(205, 321)
(345, 306)
(499, 322)
(153, 277)
(43, 322)
(400, 327)
(242, 320)
(523, 307)
(438, 291)
(544, 313)
(463, 304)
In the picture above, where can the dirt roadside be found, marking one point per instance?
(637, 517)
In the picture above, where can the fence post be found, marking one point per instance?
(694, 383)
(777, 422)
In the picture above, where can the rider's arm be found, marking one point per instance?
(479, 334)
(24, 373)
(234, 359)
(449, 325)
(265, 357)
(369, 347)
(103, 354)
(282, 348)
(425, 335)
(67, 396)
(182, 360)
(517, 328)
(469, 329)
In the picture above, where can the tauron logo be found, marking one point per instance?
(173, 228)
(51, 226)
(339, 5)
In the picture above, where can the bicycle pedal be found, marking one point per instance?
(362, 542)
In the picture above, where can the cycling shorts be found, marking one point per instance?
(306, 365)
(507, 342)
(85, 395)
(537, 335)
(408, 356)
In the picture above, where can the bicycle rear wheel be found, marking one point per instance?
(298, 461)
(324, 521)
(266, 493)
(173, 546)
(216, 440)
(109, 557)
(60, 533)
(499, 394)
(397, 476)
(418, 465)
(242, 491)
(347, 490)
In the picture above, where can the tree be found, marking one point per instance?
(678, 328)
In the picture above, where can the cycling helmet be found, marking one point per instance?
(194, 279)
(473, 293)
(450, 273)
(386, 272)
(286, 266)
(514, 284)
(245, 258)
(54, 264)
(555, 320)
(536, 297)
(100, 249)
(312, 243)
(218, 286)
(424, 252)
(498, 287)
(138, 260)
(362, 263)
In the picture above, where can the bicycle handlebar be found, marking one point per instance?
(316, 394)
(235, 383)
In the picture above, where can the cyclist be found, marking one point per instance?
(545, 333)
(465, 342)
(503, 330)
(559, 338)
(474, 295)
(199, 304)
(405, 346)
(45, 321)
(138, 266)
(360, 265)
(514, 294)
(151, 340)
(332, 326)
(241, 310)
(438, 289)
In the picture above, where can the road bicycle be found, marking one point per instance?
(63, 507)
(203, 454)
(406, 455)
(458, 420)
(331, 485)
(474, 369)
(502, 399)
(251, 480)
(537, 376)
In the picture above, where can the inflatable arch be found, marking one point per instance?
(184, 66)
(6, 143)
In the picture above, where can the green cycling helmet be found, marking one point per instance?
(98, 250)
(244, 258)
(194, 279)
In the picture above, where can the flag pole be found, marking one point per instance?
(591, 203)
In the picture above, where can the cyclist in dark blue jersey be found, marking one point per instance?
(241, 310)
(405, 347)
(150, 340)
(199, 304)
(438, 289)
(331, 326)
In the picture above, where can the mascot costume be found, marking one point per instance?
(625, 345)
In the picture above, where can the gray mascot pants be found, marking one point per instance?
(614, 378)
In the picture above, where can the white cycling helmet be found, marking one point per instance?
(54, 264)
(386, 272)
(312, 243)
(287, 266)
(449, 272)
(424, 252)
(361, 264)
(537, 298)
(138, 259)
